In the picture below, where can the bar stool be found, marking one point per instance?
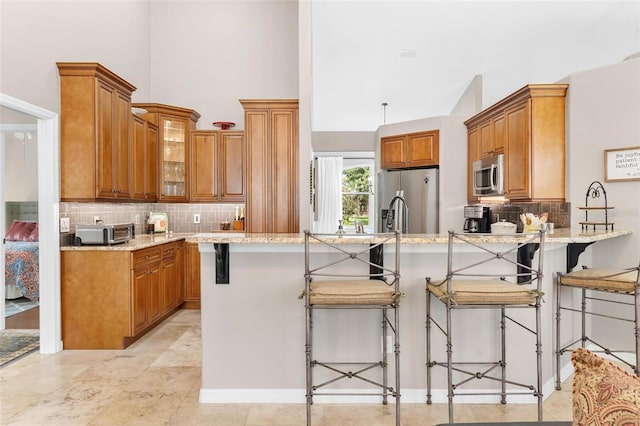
(347, 271)
(611, 287)
(488, 276)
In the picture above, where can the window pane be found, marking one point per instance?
(355, 179)
(355, 207)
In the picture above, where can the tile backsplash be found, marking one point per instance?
(559, 213)
(180, 215)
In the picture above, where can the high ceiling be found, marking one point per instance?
(420, 56)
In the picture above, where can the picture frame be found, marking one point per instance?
(622, 164)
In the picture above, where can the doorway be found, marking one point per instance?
(19, 142)
(48, 208)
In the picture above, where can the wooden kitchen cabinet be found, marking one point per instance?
(218, 166)
(112, 297)
(95, 144)
(472, 155)
(420, 149)
(174, 127)
(271, 132)
(180, 271)
(169, 281)
(145, 290)
(491, 136)
(145, 160)
(530, 126)
(192, 277)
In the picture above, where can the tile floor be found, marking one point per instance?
(156, 381)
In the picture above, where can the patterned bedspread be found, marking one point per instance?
(21, 267)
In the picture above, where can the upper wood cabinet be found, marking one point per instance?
(96, 142)
(529, 127)
(472, 155)
(218, 166)
(491, 136)
(174, 127)
(410, 150)
(271, 132)
(145, 160)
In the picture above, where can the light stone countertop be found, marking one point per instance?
(139, 242)
(561, 235)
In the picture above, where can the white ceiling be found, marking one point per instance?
(358, 65)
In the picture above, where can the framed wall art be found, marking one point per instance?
(622, 164)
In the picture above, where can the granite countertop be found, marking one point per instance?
(139, 242)
(560, 235)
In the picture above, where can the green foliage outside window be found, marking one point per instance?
(355, 195)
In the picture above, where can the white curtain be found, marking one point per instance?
(329, 194)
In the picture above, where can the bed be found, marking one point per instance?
(22, 273)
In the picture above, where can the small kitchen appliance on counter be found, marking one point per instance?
(103, 234)
(477, 219)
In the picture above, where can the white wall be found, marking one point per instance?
(207, 55)
(21, 166)
(604, 113)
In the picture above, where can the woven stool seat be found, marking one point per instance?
(489, 292)
(603, 279)
(351, 292)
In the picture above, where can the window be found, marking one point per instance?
(357, 192)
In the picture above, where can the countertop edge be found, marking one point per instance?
(138, 243)
(560, 236)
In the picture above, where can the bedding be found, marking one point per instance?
(21, 261)
(21, 267)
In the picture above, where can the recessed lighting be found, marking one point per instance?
(407, 53)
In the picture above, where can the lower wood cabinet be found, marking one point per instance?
(112, 297)
(192, 277)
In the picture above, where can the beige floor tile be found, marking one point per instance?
(140, 408)
(157, 381)
(164, 378)
(277, 415)
(213, 414)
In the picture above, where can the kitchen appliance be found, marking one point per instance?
(104, 234)
(488, 176)
(408, 201)
(477, 219)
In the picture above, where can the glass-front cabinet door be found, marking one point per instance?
(173, 163)
(174, 127)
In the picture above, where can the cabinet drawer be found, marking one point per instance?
(146, 256)
(169, 250)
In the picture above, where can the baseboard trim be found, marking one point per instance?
(409, 396)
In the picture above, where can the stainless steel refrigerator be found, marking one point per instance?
(413, 195)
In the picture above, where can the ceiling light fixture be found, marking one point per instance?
(384, 112)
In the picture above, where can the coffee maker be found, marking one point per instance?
(477, 219)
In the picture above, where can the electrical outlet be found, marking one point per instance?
(64, 224)
(137, 219)
(196, 218)
(96, 219)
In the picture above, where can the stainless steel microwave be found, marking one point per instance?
(488, 176)
(104, 234)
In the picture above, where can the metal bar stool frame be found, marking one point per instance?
(608, 296)
(524, 274)
(389, 275)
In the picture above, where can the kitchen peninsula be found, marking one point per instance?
(253, 327)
